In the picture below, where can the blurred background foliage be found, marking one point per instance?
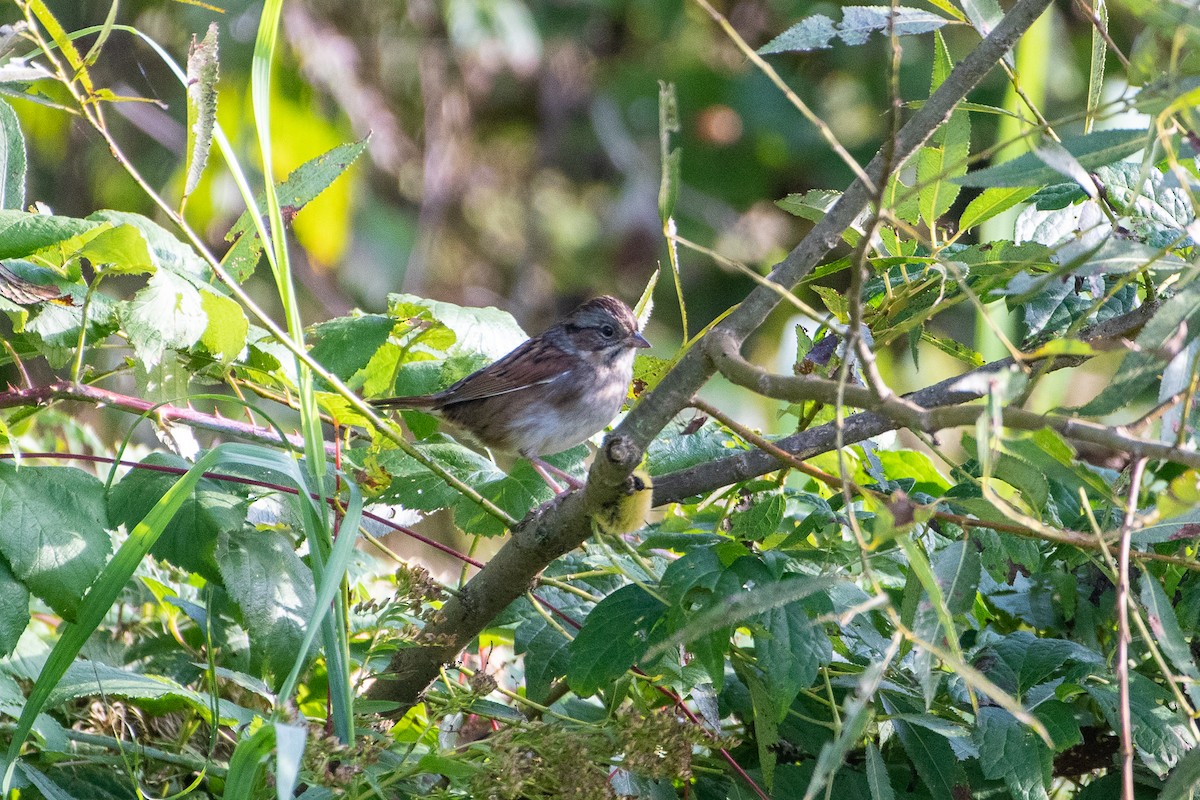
(514, 144)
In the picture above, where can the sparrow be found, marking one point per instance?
(554, 391)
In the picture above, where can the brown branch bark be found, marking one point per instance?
(551, 532)
(951, 392)
(65, 390)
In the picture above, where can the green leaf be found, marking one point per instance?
(54, 535)
(791, 649)
(1014, 754)
(202, 69)
(166, 250)
(992, 202)
(615, 635)
(224, 334)
(302, 186)
(14, 609)
(23, 233)
(166, 313)
(93, 678)
(858, 23)
(946, 154)
(547, 656)
(929, 752)
(189, 540)
(877, 776)
(1161, 735)
(1091, 150)
(760, 520)
(346, 345)
(1184, 779)
(274, 590)
(1142, 366)
(1168, 635)
(12, 159)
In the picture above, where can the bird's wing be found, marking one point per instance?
(516, 371)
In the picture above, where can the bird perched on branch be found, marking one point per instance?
(551, 393)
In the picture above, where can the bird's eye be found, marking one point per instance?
(607, 331)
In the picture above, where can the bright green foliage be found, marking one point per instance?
(930, 619)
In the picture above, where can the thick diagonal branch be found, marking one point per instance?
(565, 526)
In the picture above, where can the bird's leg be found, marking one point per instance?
(545, 469)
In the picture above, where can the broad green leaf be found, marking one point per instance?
(189, 540)
(14, 609)
(1184, 779)
(274, 590)
(1014, 754)
(1060, 722)
(1168, 634)
(302, 186)
(790, 648)
(929, 752)
(992, 202)
(54, 535)
(760, 520)
(1091, 150)
(121, 250)
(12, 159)
(857, 24)
(487, 331)
(766, 726)
(202, 69)
(1019, 661)
(25, 233)
(547, 655)
(1142, 366)
(613, 638)
(1161, 736)
(226, 326)
(165, 249)
(346, 345)
(167, 313)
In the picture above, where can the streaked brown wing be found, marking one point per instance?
(22, 292)
(532, 364)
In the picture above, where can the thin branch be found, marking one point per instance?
(1123, 635)
(65, 390)
(806, 444)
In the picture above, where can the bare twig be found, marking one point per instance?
(1123, 635)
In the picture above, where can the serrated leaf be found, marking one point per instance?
(791, 649)
(14, 609)
(877, 776)
(274, 590)
(55, 535)
(946, 154)
(346, 345)
(1091, 150)
(1014, 754)
(165, 249)
(760, 520)
(189, 539)
(1160, 736)
(301, 187)
(857, 24)
(930, 754)
(202, 69)
(12, 159)
(615, 635)
(166, 313)
(23, 233)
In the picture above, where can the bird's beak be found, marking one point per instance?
(637, 340)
